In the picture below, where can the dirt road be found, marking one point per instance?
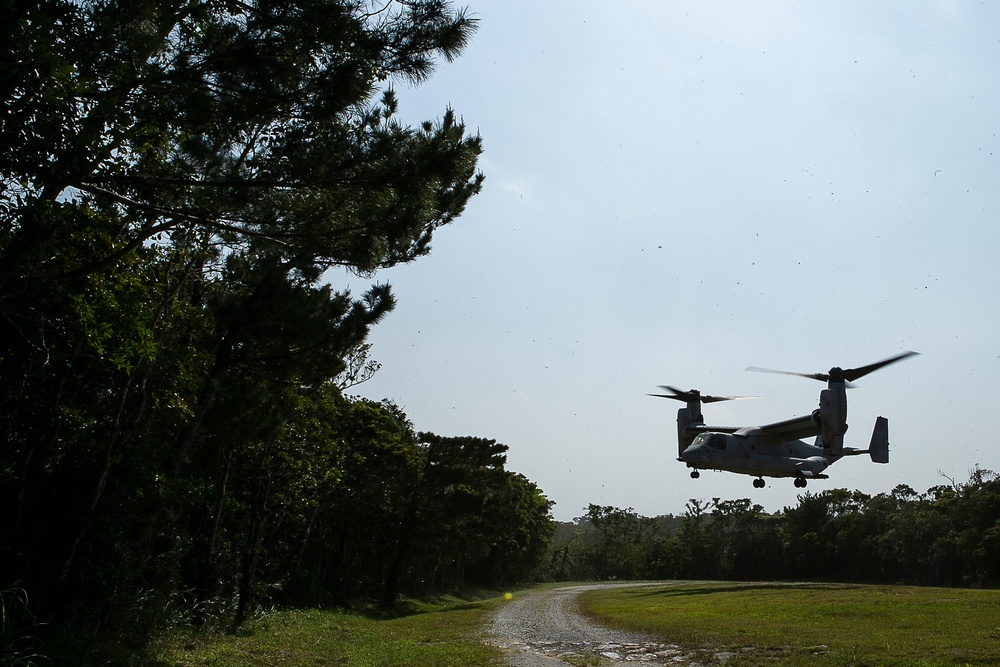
(545, 629)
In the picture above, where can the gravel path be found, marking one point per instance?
(545, 629)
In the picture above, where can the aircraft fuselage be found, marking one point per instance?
(757, 455)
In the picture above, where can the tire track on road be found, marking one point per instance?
(544, 628)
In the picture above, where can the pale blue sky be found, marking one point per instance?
(676, 191)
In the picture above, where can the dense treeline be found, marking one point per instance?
(180, 183)
(948, 536)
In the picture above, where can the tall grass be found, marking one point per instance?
(18, 646)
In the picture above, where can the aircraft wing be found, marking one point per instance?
(702, 428)
(789, 429)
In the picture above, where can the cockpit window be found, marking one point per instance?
(713, 440)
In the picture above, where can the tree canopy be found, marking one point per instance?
(228, 124)
(177, 179)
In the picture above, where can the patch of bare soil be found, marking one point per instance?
(546, 629)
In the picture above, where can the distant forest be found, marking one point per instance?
(946, 536)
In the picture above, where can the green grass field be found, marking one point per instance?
(820, 625)
(814, 624)
(442, 634)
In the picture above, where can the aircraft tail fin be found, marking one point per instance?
(879, 448)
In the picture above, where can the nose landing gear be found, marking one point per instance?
(759, 483)
(695, 474)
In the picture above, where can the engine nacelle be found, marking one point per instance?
(833, 418)
(686, 417)
(813, 464)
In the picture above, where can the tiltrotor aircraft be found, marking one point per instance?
(775, 450)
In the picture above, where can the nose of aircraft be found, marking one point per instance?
(695, 454)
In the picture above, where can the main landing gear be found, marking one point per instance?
(759, 483)
(695, 474)
(800, 482)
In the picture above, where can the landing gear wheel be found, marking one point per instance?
(759, 483)
(695, 474)
(800, 482)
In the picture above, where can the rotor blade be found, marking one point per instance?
(695, 395)
(716, 399)
(678, 395)
(838, 374)
(822, 377)
(856, 373)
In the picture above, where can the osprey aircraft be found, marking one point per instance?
(776, 450)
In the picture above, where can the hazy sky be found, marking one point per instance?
(678, 190)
